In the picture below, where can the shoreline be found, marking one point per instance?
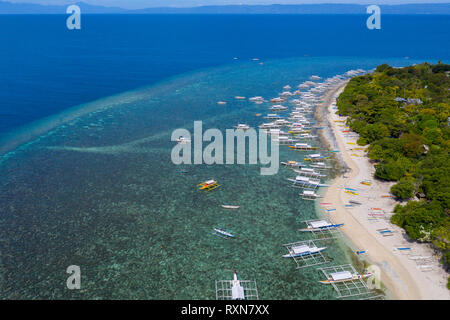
(399, 274)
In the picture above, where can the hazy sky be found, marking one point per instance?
(134, 4)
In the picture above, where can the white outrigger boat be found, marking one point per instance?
(277, 132)
(282, 122)
(256, 99)
(320, 166)
(306, 136)
(303, 250)
(220, 232)
(241, 126)
(298, 130)
(277, 100)
(278, 107)
(273, 116)
(269, 125)
(343, 276)
(309, 195)
(293, 164)
(230, 206)
(284, 140)
(318, 225)
(315, 157)
(305, 182)
(237, 290)
(303, 147)
(308, 172)
(183, 140)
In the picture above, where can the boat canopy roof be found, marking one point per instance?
(319, 224)
(210, 181)
(341, 275)
(300, 249)
(308, 192)
(237, 292)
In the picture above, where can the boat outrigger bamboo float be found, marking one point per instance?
(343, 276)
(318, 225)
(208, 185)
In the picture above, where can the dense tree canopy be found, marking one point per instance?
(403, 114)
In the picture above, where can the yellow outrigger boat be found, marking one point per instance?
(208, 185)
(353, 193)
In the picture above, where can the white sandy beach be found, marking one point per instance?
(405, 273)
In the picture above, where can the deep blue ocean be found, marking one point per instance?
(96, 187)
(46, 68)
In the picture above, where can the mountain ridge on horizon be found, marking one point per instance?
(424, 8)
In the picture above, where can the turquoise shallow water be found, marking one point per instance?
(101, 192)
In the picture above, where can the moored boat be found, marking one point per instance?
(320, 225)
(303, 250)
(230, 206)
(344, 276)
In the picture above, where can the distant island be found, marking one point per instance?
(29, 8)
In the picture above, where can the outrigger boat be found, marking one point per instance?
(293, 164)
(273, 116)
(277, 100)
(320, 225)
(303, 250)
(298, 130)
(256, 99)
(229, 206)
(208, 185)
(278, 107)
(306, 136)
(183, 140)
(309, 195)
(303, 147)
(284, 140)
(282, 122)
(366, 182)
(269, 125)
(320, 166)
(308, 172)
(223, 233)
(241, 126)
(277, 132)
(305, 182)
(343, 276)
(237, 291)
(315, 157)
